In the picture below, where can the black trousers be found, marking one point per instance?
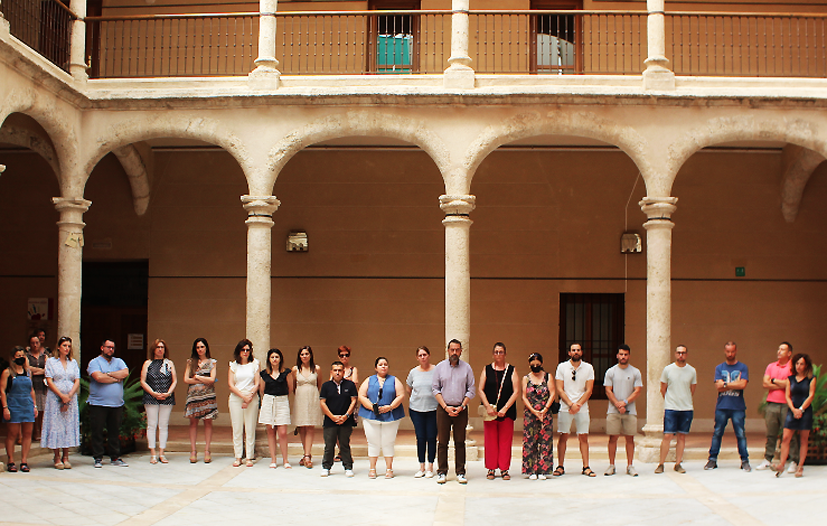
(110, 418)
(331, 436)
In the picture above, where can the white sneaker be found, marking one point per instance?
(349, 473)
(533, 476)
(631, 471)
(325, 472)
(429, 474)
(541, 476)
(419, 474)
(792, 468)
(765, 464)
(440, 479)
(610, 470)
(461, 478)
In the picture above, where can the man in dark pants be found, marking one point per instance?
(338, 400)
(453, 387)
(106, 402)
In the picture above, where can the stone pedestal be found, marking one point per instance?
(657, 75)
(459, 74)
(266, 75)
(259, 260)
(69, 267)
(658, 316)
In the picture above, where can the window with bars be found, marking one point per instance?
(555, 38)
(393, 40)
(597, 323)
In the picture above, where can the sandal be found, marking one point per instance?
(59, 465)
(560, 471)
(194, 457)
(66, 464)
(371, 473)
(491, 474)
(25, 468)
(11, 467)
(273, 465)
(505, 475)
(798, 473)
(388, 473)
(309, 462)
(163, 460)
(249, 463)
(301, 462)
(287, 465)
(153, 459)
(236, 462)
(207, 456)
(588, 472)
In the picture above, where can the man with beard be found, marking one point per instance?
(575, 382)
(105, 403)
(677, 386)
(453, 388)
(623, 384)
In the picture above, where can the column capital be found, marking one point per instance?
(260, 208)
(74, 204)
(457, 205)
(658, 207)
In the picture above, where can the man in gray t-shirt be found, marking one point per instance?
(623, 384)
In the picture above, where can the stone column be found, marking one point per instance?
(77, 53)
(266, 74)
(259, 257)
(458, 268)
(659, 225)
(69, 266)
(459, 73)
(657, 75)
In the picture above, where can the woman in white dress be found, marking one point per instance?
(307, 413)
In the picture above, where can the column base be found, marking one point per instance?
(78, 71)
(459, 77)
(658, 78)
(264, 78)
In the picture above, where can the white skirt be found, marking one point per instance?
(275, 411)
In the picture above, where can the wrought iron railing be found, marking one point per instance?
(43, 25)
(737, 44)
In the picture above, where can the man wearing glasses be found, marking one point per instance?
(575, 382)
(105, 402)
(677, 386)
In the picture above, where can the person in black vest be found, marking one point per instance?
(338, 400)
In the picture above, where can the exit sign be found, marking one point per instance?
(740, 272)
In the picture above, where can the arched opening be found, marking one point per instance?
(28, 261)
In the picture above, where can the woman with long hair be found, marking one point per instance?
(275, 386)
(201, 401)
(243, 379)
(800, 390)
(158, 379)
(61, 423)
(307, 413)
(19, 407)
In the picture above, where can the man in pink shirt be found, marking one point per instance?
(775, 382)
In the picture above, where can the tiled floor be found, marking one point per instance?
(184, 494)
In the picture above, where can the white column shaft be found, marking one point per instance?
(69, 266)
(267, 35)
(259, 261)
(459, 33)
(458, 269)
(655, 29)
(77, 53)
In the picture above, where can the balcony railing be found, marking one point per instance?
(735, 44)
(558, 42)
(43, 25)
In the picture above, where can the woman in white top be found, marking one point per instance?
(243, 380)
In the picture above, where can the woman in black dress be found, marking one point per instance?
(801, 387)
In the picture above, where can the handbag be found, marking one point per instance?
(481, 408)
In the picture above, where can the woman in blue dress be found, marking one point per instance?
(381, 409)
(19, 407)
(801, 386)
(61, 421)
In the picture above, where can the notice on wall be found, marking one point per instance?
(135, 341)
(38, 309)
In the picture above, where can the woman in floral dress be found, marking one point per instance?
(538, 395)
(201, 401)
(61, 421)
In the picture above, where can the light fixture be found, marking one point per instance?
(297, 241)
(630, 243)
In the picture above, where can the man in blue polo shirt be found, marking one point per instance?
(106, 402)
(731, 379)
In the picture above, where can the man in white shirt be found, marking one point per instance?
(575, 382)
(677, 386)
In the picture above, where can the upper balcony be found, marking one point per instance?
(460, 47)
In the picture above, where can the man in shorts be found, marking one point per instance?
(623, 384)
(575, 382)
(677, 386)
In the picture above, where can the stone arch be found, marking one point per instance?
(358, 123)
(555, 122)
(135, 130)
(808, 134)
(22, 130)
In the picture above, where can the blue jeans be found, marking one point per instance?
(721, 418)
(425, 427)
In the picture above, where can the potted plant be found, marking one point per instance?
(133, 424)
(817, 449)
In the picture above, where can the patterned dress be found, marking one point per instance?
(61, 429)
(201, 402)
(159, 378)
(538, 445)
